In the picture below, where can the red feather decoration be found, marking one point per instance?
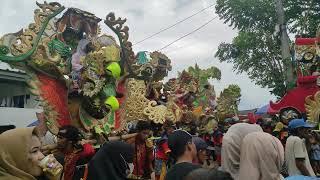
(56, 94)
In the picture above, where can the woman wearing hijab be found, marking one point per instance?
(262, 157)
(231, 144)
(20, 155)
(112, 161)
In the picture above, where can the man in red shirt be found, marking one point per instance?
(70, 146)
(163, 150)
(143, 155)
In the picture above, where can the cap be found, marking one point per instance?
(201, 144)
(178, 139)
(71, 133)
(298, 123)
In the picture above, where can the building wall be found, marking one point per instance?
(20, 117)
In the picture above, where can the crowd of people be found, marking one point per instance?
(236, 151)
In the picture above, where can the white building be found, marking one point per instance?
(17, 106)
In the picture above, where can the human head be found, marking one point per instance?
(314, 138)
(202, 149)
(262, 157)
(20, 153)
(181, 145)
(68, 137)
(231, 146)
(112, 160)
(42, 126)
(208, 174)
(300, 128)
(143, 128)
(168, 127)
(6, 128)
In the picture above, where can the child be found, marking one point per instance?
(315, 152)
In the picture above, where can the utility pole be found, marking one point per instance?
(285, 46)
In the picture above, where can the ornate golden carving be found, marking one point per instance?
(137, 106)
(158, 113)
(313, 107)
(128, 56)
(24, 42)
(136, 100)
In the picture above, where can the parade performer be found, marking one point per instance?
(143, 151)
(68, 144)
(162, 151)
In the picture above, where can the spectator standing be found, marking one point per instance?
(262, 157)
(231, 145)
(296, 154)
(183, 150)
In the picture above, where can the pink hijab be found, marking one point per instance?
(262, 157)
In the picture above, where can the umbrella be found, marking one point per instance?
(263, 110)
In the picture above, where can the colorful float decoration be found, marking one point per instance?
(82, 77)
(75, 69)
(180, 99)
(303, 100)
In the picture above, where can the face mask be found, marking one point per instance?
(131, 167)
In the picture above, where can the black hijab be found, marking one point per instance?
(108, 163)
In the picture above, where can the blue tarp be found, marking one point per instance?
(262, 110)
(35, 123)
(301, 178)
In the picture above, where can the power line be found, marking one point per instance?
(203, 25)
(171, 26)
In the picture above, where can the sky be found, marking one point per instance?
(145, 17)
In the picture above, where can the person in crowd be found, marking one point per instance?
(315, 152)
(202, 152)
(281, 131)
(231, 144)
(208, 174)
(113, 161)
(75, 151)
(143, 151)
(46, 136)
(183, 151)
(262, 157)
(267, 126)
(217, 137)
(162, 150)
(296, 154)
(20, 156)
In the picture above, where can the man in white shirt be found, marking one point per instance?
(296, 154)
(46, 136)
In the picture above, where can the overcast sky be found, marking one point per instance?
(145, 17)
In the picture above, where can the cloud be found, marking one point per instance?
(144, 17)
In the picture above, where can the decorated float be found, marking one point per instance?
(83, 77)
(303, 100)
(75, 70)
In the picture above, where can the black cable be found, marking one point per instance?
(169, 27)
(203, 25)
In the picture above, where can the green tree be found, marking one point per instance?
(203, 75)
(256, 49)
(228, 101)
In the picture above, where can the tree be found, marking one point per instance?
(256, 49)
(228, 101)
(203, 75)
